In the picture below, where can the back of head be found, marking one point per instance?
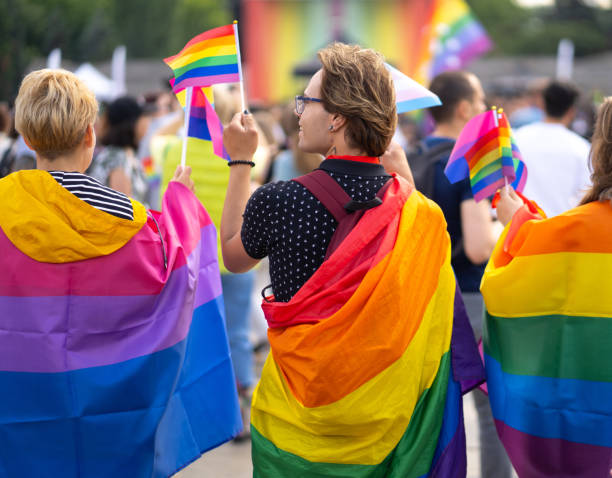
(452, 87)
(559, 97)
(120, 117)
(52, 111)
(601, 156)
(356, 84)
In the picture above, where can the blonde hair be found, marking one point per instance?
(601, 156)
(356, 84)
(52, 111)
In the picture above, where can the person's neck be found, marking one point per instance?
(448, 130)
(344, 150)
(564, 121)
(68, 162)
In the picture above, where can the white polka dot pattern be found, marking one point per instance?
(284, 221)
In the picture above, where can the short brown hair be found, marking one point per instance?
(356, 84)
(601, 156)
(451, 87)
(52, 111)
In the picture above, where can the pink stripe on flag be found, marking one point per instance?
(216, 130)
(490, 190)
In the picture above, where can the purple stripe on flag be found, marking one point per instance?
(452, 461)
(207, 81)
(536, 456)
(62, 333)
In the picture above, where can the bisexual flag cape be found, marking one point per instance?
(113, 354)
(362, 380)
(547, 338)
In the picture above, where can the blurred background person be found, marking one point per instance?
(556, 157)
(116, 165)
(211, 175)
(292, 161)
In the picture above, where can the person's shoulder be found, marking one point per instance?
(275, 191)
(529, 130)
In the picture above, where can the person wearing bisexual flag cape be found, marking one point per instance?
(370, 345)
(548, 327)
(472, 231)
(113, 354)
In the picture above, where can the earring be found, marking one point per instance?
(331, 127)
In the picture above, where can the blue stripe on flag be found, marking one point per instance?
(207, 71)
(574, 410)
(105, 421)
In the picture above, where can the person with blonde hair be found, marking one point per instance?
(99, 300)
(359, 380)
(548, 327)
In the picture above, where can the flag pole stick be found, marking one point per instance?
(188, 95)
(242, 94)
(496, 120)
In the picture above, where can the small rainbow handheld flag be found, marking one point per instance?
(211, 57)
(486, 153)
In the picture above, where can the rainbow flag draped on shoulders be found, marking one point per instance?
(363, 378)
(547, 336)
(113, 354)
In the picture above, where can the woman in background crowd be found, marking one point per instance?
(117, 165)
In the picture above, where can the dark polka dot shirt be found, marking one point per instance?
(285, 222)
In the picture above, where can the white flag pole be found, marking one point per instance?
(242, 94)
(496, 119)
(188, 95)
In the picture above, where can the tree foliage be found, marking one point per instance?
(90, 30)
(536, 31)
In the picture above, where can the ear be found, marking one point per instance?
(463, 111)
(338, 121)
(90, 136)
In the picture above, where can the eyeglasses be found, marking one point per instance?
(300, 103)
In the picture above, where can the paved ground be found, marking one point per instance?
(234, 460)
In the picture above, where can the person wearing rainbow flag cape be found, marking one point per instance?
(113, 354)
(548, 327)
(370, 345)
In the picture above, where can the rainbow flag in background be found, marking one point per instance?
(362, 378)
(207, 59)
(204, 123)
(419, 38)
(547, 336)
(486, 153)
(113, 355)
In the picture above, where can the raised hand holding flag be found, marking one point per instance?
(486, 154)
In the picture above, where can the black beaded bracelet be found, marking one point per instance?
(240, 161)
